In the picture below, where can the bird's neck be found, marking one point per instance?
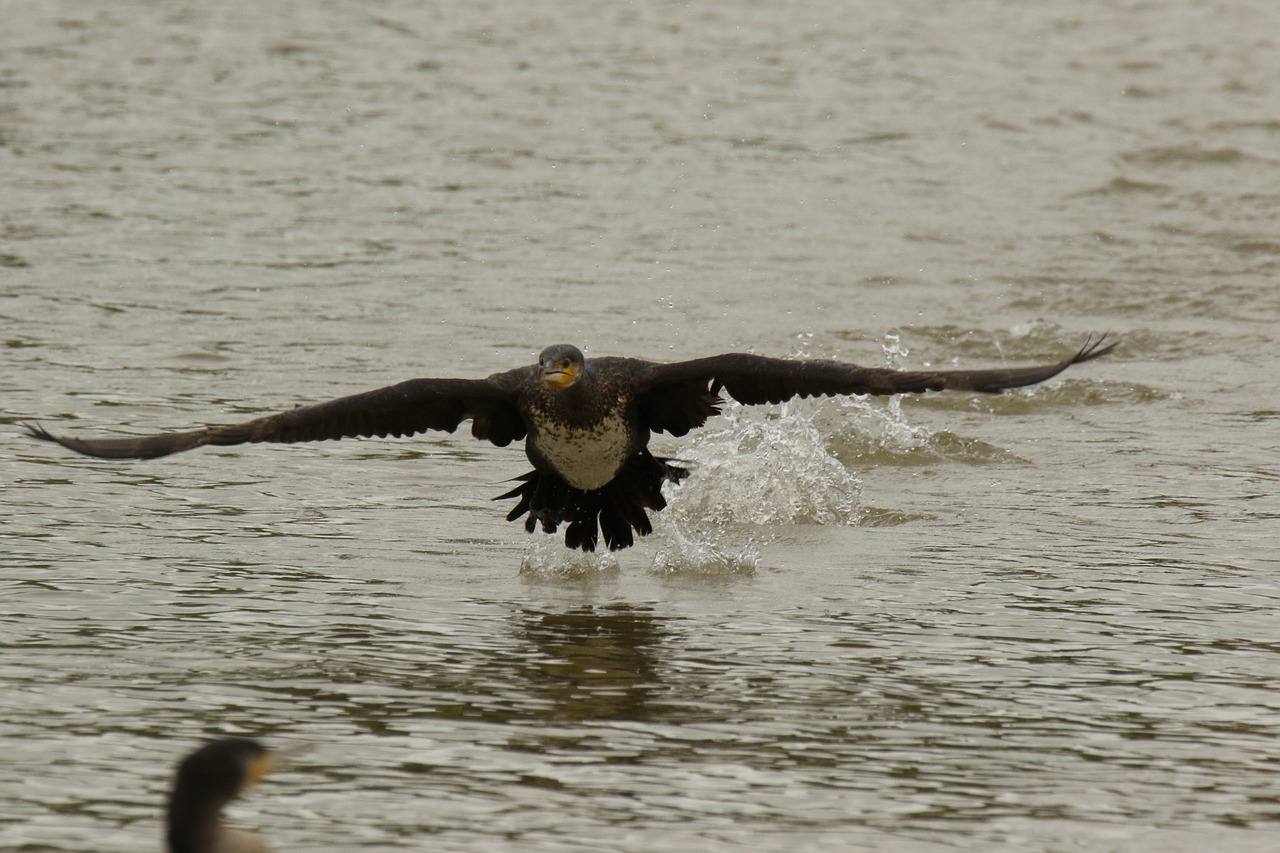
(193, 827)
(576, 405)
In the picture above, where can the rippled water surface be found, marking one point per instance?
(1044, 621)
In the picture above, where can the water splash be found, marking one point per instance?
(754, 471)
(894, 351)
(689, 551)
(866, 428)
(766, 469)
(548, 559)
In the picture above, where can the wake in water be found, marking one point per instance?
(759, 470)
(755, 471)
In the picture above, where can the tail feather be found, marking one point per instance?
(617, 510)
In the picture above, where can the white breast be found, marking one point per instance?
(586, 458)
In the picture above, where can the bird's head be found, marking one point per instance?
(223, 769)
(561, 365)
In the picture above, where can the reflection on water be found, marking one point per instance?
(594, 663)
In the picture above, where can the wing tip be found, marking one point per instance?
(118, 448)
(1094, 349)
(35, 430)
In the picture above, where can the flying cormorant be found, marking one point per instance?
(206, 781)
(586, 422)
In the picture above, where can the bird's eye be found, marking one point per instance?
(564, 363)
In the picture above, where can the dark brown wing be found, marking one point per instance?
(397, 410)
(671, 391)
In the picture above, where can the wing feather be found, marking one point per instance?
(397, 410)
(754, 379)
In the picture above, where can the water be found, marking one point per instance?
(1044, 621)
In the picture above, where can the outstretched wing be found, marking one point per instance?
(397, 410)
(670, 391)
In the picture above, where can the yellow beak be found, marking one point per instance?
(558, 377)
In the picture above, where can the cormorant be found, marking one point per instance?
(205, 781)
(586, 422)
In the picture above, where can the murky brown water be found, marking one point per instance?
(1045, 621)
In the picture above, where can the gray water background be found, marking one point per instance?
(1039, 622)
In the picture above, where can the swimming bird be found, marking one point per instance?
(205, 781)
(586, 422)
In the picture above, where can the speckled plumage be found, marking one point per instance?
(588, 457)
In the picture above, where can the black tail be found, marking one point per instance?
(616, 509)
